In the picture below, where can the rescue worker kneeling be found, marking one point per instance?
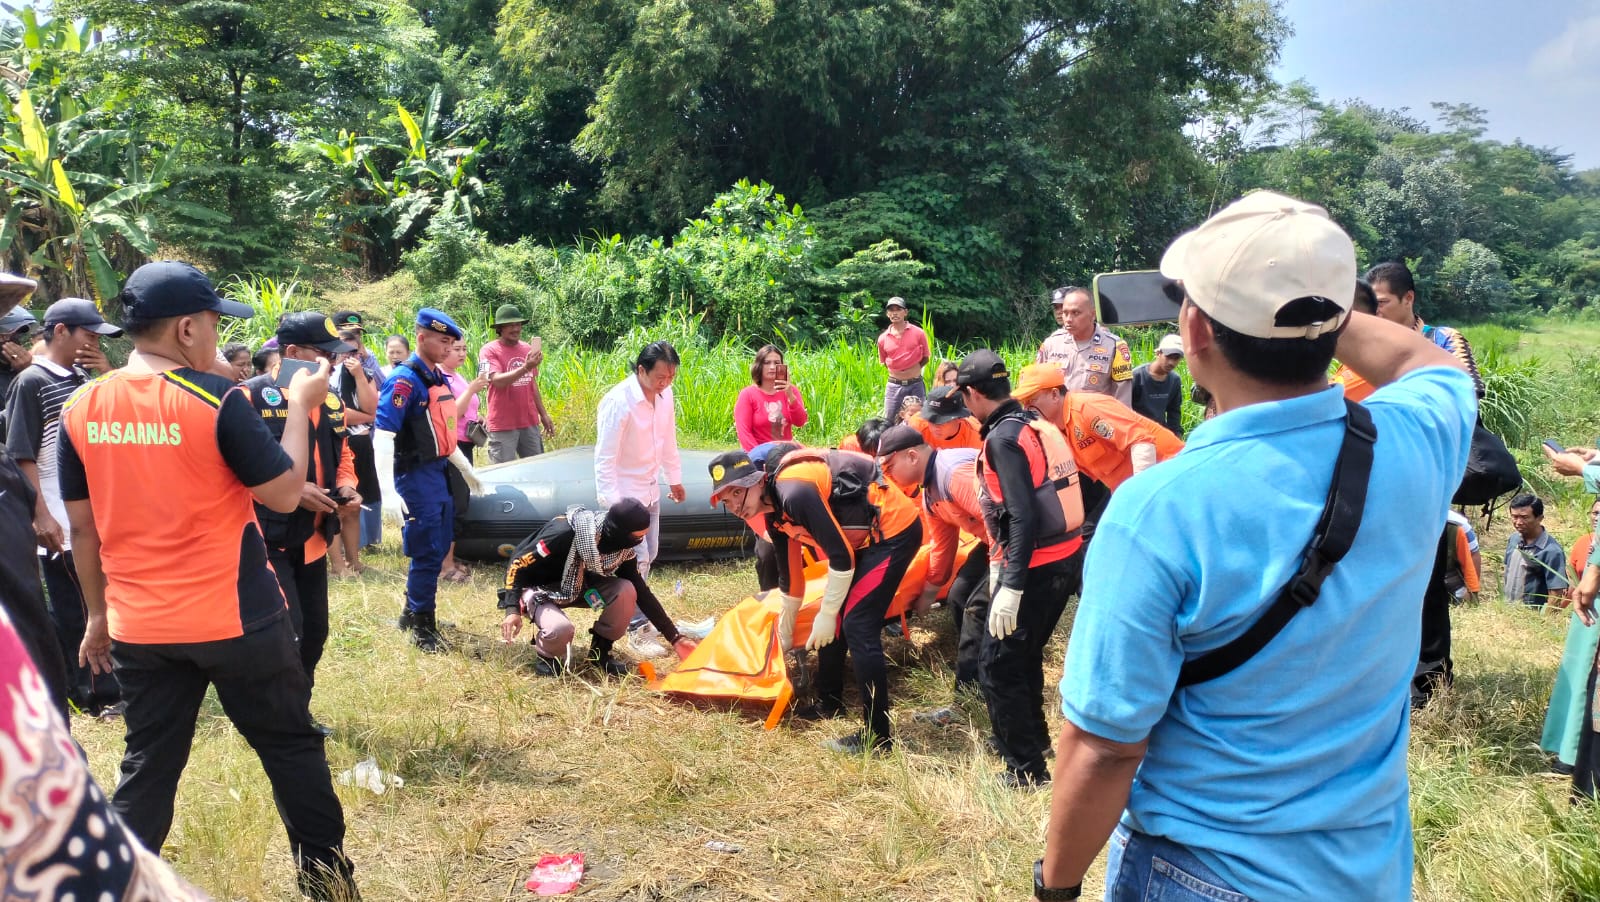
(840, 505)
(583, 558)
(1028, 485)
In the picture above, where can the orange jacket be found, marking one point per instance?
(964, 433)
(1101, 431)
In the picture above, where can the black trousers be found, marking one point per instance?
(1012, 669)
(879, 569)
(21, 592)
(1434, 665)
(305, 587)
(85, 688)
(265, 693)
(766, 565)
(969, 605)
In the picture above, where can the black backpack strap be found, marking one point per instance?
(1336, 530)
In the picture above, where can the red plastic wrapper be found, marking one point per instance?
(556, 874)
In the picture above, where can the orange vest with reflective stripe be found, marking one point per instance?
(1058, 502)
(879, 512)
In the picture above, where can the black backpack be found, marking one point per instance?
(1491, 470)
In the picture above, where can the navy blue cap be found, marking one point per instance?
(80, 313)
(311, 330)
(431, 320)
(170, 288)
(18, 319)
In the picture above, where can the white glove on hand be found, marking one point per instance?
(459, 460)
(994, 577)
(924, 603)
(1003, 612)
(825, 628)
(791, 608)
(383, 459)
(1143, 456)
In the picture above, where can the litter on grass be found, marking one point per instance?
(367, 776)
(556, 874)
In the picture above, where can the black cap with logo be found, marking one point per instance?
(980, 366)
(898, 438)
(944, 404)
(169, 288)
(349, 319)
(311, 330)
(732, 469)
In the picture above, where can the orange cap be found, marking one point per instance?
(1038, 377)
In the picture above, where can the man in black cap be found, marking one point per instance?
(945, 421)
(160, 465)
(72, 331)
(15, 325)
(297, 542)
(1034, 513)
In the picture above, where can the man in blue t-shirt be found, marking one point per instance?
(1284, 778)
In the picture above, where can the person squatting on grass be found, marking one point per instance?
(868, 531)
(583, 558)
(1033, 512)
(160, 465)
(413, 443)
(1283, 778)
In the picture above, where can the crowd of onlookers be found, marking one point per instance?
(1258, 608)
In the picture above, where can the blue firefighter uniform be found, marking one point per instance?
(416, 404)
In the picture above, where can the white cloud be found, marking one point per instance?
(1574, 54)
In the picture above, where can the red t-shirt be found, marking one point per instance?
(903, 352)
(511, 407)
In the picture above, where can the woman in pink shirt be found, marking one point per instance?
(769, 410)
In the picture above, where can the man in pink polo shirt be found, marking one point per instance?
(516, 409)
(903, 349)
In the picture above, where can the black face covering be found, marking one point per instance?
(625, 518)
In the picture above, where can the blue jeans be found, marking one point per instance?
(1142, 868)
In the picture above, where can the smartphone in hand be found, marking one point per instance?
(288, 366)
(1554, 446)
(783, 372)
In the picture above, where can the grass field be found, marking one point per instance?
(502, 766)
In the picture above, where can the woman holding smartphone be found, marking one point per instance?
(770, 409)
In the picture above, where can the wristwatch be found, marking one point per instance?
(1045, 894)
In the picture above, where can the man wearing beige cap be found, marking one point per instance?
(1235, 693)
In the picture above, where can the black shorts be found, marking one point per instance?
(460, 495)
(367, 485)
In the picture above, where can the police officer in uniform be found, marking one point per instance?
(414, 440)
(297, 542)
(1091, 357)
(1034, 513)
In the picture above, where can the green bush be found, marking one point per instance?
(448, 245)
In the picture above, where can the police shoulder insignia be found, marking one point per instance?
(1121, 364)
(1101, 428)
(272, 396)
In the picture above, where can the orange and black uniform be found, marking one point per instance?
(297, 542)
(166, 461)
(839, 504)
(1041, 555)
(965, 434)
(951, 499)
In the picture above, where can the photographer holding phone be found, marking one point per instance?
(770, 409)
(297, 542)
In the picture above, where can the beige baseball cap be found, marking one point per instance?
(1259, 254)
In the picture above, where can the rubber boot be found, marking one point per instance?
(600, 657)
(425, 632)
(406, 620)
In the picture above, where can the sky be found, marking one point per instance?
(1533, 65)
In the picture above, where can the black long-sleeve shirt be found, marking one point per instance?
(541, 559)
(1015, 524)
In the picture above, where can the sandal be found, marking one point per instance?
(459, 575)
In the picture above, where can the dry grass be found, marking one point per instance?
(502, 766)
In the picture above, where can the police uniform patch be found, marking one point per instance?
(1101, 428)
(1122, 364)
(333, 401)
(402, 392)
(1094, 380)
(272, 396)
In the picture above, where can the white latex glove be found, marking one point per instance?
(825, 628)
(791, 608)
(924, 603)
(994, 577)
(1143, 456)
(383, 458)
(460, 462)
(1003, 612)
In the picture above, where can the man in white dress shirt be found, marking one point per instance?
(636, 444)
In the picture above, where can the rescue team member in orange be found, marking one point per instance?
(414, 439)
(1109, 441)
(159, 464)
(945, 421)
(946, 479)
(297, 542)
(839, 504)
(1034, 512)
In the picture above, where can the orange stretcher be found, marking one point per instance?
(740, 661)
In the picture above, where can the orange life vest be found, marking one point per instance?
(866, 506)
(1058, 503)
